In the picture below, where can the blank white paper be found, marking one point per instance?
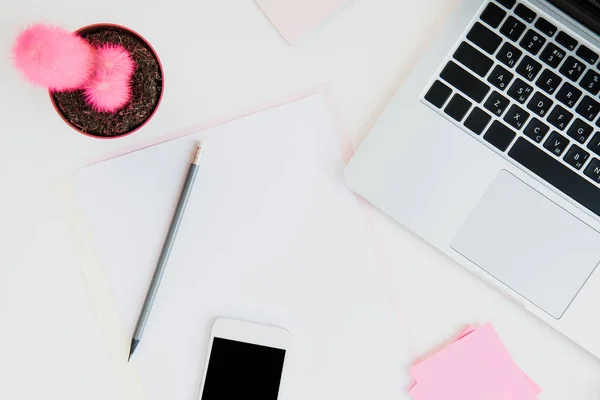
(271, 235)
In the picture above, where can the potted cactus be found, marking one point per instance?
(104, 80)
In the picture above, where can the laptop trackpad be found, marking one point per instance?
(529, 243)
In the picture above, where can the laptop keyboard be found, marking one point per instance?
(528, 88)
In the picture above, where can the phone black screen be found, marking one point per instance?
(238, 370)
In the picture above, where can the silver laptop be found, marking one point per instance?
(490, 151)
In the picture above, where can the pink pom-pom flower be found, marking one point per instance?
(106, 94)
(110, 87)
(52, 57)
(114, 60)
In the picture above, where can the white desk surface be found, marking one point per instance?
(219, 57)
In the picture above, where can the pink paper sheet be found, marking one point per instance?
(476, 365)
(295, 18)
(536, 389)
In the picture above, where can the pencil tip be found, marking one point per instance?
(134, 344)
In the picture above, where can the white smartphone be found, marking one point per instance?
(244, 361)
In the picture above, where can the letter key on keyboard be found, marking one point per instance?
(539, 104)
(536, 130)
(516, 116)
(520, 91)
(496, 103)
(594, 144)
(500, 77)
(592, 171)
(528, 68)
(568, 94)
(560, 118)
(509, 54)
(579, 130)
(556, 143)
(548, 81)
(576, 157)
(588, 108)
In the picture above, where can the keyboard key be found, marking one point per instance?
(536, 130)
(556, 143)
(572, 68)
(473, 59)
(493, 15)
(477, 120)
(532, 42)
(500, 77)
(594, 144)
(438, 93)
(545, 27)
(576, 157)
(520, 91)
(591, 82)
(587, 54)
(566, 40)
(560, 118)
(579, 131)
(592, 171)
(484, 38)
(525, 13)
(528, 68)
(499, 135)
(496, 103)
(568, 94)
(507, 3)
(457, 107)
(552, 55)
(516, 116)
(588, 108)
(556, 174)
(512, 28)
(464, 81)
(548, 81)
(509, 54)
(539, 104)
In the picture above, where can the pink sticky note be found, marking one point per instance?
(536, 389)
(435, 392)
(475, 366)
(295, 18)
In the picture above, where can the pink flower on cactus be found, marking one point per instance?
(52, 57)
(115, 61)
(107, 94)
(110, 88)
